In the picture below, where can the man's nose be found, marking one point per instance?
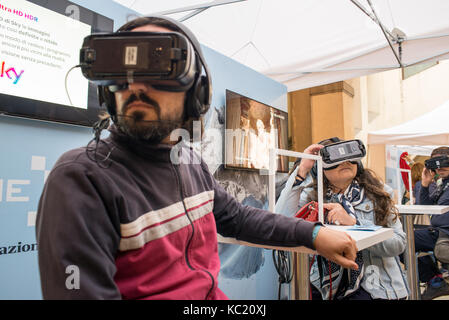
(138, 86)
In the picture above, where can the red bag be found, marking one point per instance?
(308, 212)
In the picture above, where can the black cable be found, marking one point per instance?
(65, 83)
(282, 263)
(80, 111)
(98, 127)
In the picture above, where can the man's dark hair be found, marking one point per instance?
(440, 151)
(143, 21)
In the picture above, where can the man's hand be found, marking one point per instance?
(336, 246)
(338, 215)
(427, 177)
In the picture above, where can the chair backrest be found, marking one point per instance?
(441, 249)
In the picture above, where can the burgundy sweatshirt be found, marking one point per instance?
(122, 220)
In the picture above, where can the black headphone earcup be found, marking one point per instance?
(107, 98)
(191, 103)
(198, 98)
(100, 96)
(203, 94)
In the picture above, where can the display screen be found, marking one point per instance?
(40, 43)
(252, 129)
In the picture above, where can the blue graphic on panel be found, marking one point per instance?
(29, 150)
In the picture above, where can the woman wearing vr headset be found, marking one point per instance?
(353, 195)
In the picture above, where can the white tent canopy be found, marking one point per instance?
(313, 42)
(431, 128)
(417, 150)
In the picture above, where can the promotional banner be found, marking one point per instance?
(38, 48)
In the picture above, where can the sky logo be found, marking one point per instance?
(11, 73)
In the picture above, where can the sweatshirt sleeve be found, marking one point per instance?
(442, 220)
(77, 238)
(424, 196)
(258, 226)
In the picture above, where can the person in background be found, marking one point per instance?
(129, 222)
(433, 189)
(420, 220)
(353, 195)
(416, 173)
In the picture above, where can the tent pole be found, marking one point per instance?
(190, 15)
(385, 34)
(382, 27)
(199, 6)
(361, 7)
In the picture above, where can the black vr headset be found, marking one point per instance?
(169, 61)
(165, 61)
(339, 151)
(437, 162)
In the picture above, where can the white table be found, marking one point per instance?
(422, 209)
(363, 239)
(408, 211)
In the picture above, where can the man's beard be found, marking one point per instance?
(151, 131)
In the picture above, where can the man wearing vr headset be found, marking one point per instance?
(353, 195)
(433, 189)
(133, 223)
